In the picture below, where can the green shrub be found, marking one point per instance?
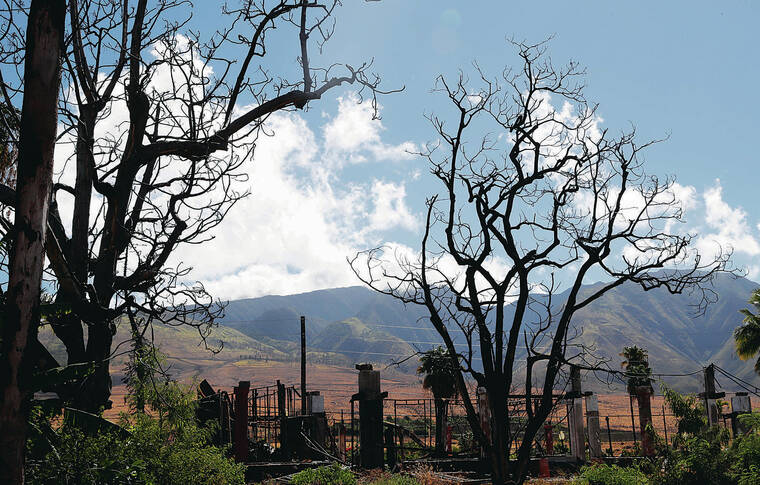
(602, 474)
(396, 479)
(746, 452)
(325, 475)
(165, 448)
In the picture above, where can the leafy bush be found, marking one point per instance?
(701, 454)
(325, 475)
(165, 447)
(746, 452)
(602, 474)
(394, 479)
(689, 411)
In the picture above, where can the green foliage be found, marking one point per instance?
(688, 410)
(746, 451)
(603, 474)
(164, 447)
(747, 335)
(700, 455)
(326, 475)
(395, 479)
(440, 370)
(637, 370)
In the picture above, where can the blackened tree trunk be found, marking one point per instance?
(42, 77)
(550, 201)
(441, 407)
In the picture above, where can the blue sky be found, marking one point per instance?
(686, 70)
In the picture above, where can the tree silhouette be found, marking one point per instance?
(158, 119)
(543, 198)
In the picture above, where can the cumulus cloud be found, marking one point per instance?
(301, 222)
(728, 227)
(352, 136)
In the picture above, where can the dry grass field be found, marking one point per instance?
(337, 384)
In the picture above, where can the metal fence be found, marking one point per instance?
(265, 408)
(414, 424)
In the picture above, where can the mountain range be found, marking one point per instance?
(345, 326)
(363, 325)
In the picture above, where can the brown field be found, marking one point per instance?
(337, 384)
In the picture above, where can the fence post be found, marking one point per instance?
(303, 365)
(575, 416)
(241, 421)
(390, 442)
(353, 441)
(643, 396)
(548, 438)
(284, 444)
(711, 397)
(592, 423)
(484, 413)
(370, 417)
(740, 404)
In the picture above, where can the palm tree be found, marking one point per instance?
(440, 369)
(639, 384)
(747, 336)
(637, 370)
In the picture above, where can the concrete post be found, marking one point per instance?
(575, 416)
(592, 424)
(241, 421)
(370, 417)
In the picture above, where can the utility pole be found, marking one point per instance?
(303, 365)
(711, 397)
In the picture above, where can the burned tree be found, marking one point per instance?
(37, 126)
(542, 202)
(158, 120)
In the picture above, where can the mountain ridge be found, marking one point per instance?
(677, 340)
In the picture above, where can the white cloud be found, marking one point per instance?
(295, 231)
(390, 207)
(728, 226)
(301, 221)
(353, 135)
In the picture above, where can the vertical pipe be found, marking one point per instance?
(609, 433)
(664, 424)
(303, 365)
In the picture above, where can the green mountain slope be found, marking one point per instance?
(350, 325)
(361, 343)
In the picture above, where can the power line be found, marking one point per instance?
(332, 351)
(739, 381)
